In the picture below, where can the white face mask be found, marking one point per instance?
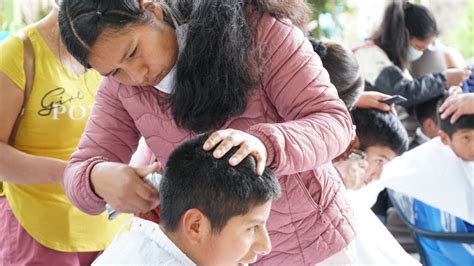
(413, 54)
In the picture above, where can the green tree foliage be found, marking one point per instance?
(463, 37)
(332, 7)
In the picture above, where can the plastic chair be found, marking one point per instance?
(404, 206)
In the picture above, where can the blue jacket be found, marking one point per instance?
(443, 252)
(468, 85)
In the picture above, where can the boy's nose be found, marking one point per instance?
(262, 245)
(378, 172)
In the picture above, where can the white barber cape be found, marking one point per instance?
(144, 244)
(375, 245)
(432, 173)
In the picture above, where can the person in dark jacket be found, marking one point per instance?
(405, 32)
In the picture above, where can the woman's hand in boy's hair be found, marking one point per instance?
(123, 188)
(457, 105)
(455, 76)
(249, 145)
(372, 100)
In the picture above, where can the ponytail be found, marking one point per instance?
(343, 69)
(392, 35)
(403, 20)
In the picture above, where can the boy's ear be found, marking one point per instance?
(444, 137)
(155, 8)
(195, 225)
(430, 126)
(356, 143)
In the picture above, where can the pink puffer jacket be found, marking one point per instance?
(296, 113)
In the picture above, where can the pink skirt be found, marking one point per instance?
(17, 247)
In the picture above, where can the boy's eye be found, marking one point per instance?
(376, 161)
(134, 52)
(253, 229)
(380, 161)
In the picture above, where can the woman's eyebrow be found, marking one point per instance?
(124, 55)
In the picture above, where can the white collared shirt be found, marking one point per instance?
(167, 83)
(420, 136)
(144, 244)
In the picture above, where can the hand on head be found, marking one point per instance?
(456, 106)
(224, 140)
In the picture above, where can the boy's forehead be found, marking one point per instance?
(256, 214)
(379, 150)
(463, 131)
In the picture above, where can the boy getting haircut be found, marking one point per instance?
(212, 213)
(378, 128)
(459, 136)
(465, 122)
(380, 137)
(195, 179)
(444, 166)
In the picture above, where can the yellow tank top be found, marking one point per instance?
(55, 116)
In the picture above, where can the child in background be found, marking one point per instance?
(445, 166)
(380, 137)
(345, 74)
(211, 213)
(426, 114)
(343, 69)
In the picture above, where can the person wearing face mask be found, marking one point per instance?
(405, 32)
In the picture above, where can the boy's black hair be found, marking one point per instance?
(193, 178)
(464, 122)
(428, 109)
(377, 128)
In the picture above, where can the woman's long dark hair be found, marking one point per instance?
(218, 68)
(402, 21)
(342, 68)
